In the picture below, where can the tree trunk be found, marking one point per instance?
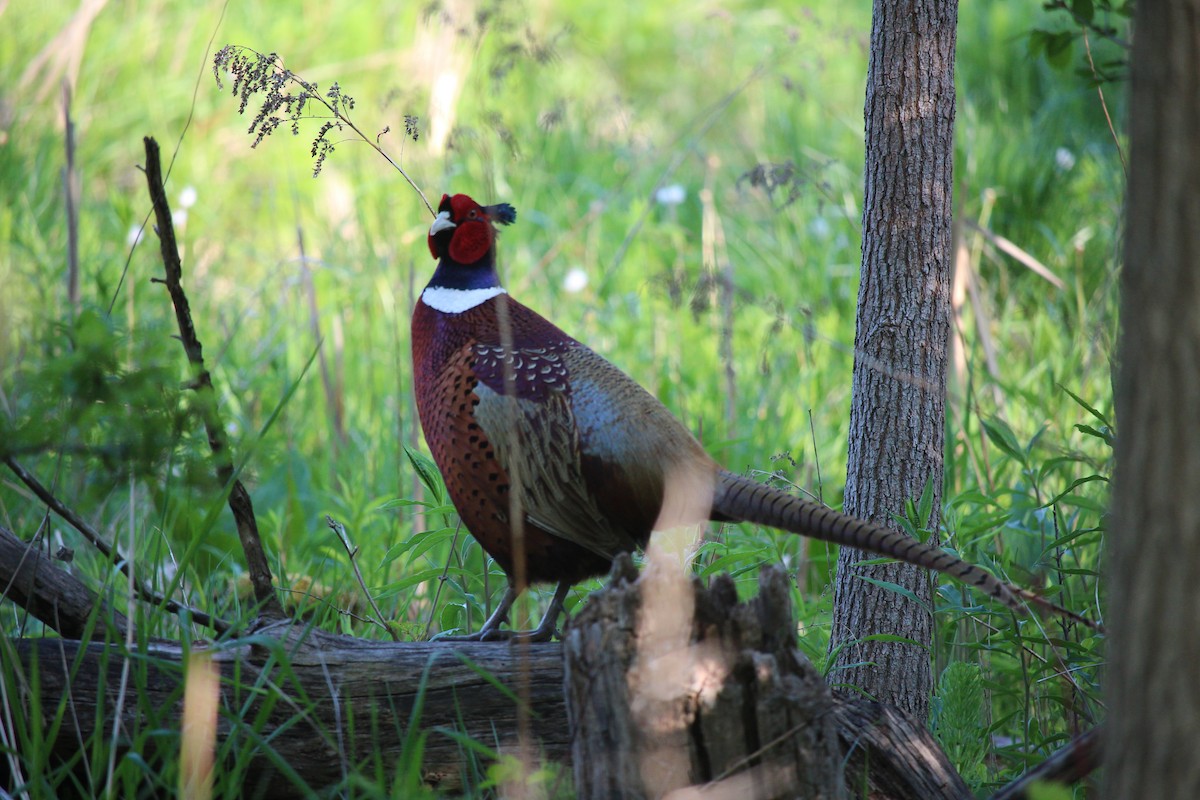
(1153, 729)
(897, 415)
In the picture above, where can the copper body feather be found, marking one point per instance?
(537, 403)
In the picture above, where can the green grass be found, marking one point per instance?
(687, 94)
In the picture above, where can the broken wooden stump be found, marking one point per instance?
(670, 685)
(680, 691)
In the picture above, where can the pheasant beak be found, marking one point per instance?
(442, 223)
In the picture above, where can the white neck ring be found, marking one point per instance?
(456, 301)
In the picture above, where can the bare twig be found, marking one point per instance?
(71, 192)
(112, 553)
(1087, 46)
(239, 499)
(352, 552)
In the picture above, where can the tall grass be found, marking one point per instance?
(576, 114)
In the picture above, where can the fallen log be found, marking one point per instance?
(703, 691)
(304, 711)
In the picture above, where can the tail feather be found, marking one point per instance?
(741, 498)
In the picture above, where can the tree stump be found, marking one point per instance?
(670, 685)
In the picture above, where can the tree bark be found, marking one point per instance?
(1153, 731)
(671, 685)
(897, 416)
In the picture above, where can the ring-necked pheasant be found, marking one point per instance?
(535, 433)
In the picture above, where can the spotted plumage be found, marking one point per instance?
(555, 459)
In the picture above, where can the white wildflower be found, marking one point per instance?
(576, 280)
(1064, 159)
(671, 195)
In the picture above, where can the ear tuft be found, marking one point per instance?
(503, 213)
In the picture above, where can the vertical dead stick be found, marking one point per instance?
(239, 498)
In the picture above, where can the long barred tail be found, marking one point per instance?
(741, 498)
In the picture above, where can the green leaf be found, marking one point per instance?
(1104, 434)
(409, 581)
(1002, 436)
(1063, 495)
(1086, 406)
(1058, 49)
(972, 497)
(1068, 538)
(925, 506)
(1041, 790)
(427, 471)
(1076, 571)
(891, 637)
(1037, 42)
(421, 543)
(1079, 501)
(1083, 10)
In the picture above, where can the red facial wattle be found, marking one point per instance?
(471, 241)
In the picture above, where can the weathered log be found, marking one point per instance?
(1073, 762)
(888, 754)
(33, 581)
(331, 706)
(716, 687)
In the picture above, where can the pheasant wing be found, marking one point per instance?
(526, 411)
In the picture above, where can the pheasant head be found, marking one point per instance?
(464, 231)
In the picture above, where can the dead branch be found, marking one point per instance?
(33, 581)
(1074, 762)
(45, 596)
(239, 499)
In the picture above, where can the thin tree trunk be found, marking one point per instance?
(897, 416)
(1154, 728)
